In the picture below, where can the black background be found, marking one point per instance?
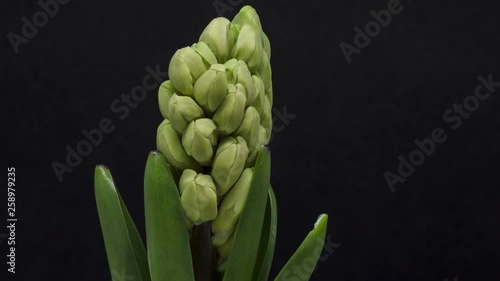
(352, 121)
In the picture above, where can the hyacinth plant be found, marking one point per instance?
(210, 210)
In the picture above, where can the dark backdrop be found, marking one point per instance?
(351, 122)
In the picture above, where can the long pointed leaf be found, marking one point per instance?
(301, 265)
(243, 257)
(169, 252)
(268, 240)
(125, 250)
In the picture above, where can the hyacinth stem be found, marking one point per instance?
(204, 255)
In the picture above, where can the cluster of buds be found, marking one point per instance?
(217, 110)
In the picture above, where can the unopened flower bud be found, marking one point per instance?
(182, 110)
(218, 37)
(261, 140)
(269, 93)
(260, 93)
(248, 48)
(169, 144)
(266, 118)
(250, 127)
(165, 92)
(231, 112)
(211, 88)
(238, 73)
(199, 140)
(229, 162)
(184, 69)
(265, 72)
(224, 250)
(230, 209)
(266, 45)
(198, 196)
(205, 53)
(248, 15)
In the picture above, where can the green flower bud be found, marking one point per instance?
(230, 209)
(266, 118)
(237, 72)
(266, 45)
(265, 71)
(231, 112)
(218, 36)
(248, 15)
(261, 140)
(250, 127)
(182, 110)
(224, 250)
(260, 94)
(169, 144)
(199, 140)
(164, 93)
(205, 53)
(269, 93)
(248, 48)
(229, 162)
(185, 67)
(211, 88)
(229, 65)
(198, 196)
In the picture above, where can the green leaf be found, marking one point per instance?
(243, 257)
(167, 236)
(126, 253)
(301, 265)
(268, 240)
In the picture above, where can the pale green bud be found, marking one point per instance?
(198, 196)
(229, 65)
(218, 36)
(229, 162)
(248, 48)
(224, 251)
(260, 93)
(248, 15)
(261, 140)
(205, 53)
(185, 67)
(269, 93)
(182, 110)
(231, 112)
(165, 92)
(237, 72)
(169, 144)
(266, 118)
(250, 127)
(199, 140)
(211, 88)
(230, 209)
(266, 45)
(265, 71)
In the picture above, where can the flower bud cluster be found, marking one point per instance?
(217, 110)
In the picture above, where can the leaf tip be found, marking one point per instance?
(322, 219)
